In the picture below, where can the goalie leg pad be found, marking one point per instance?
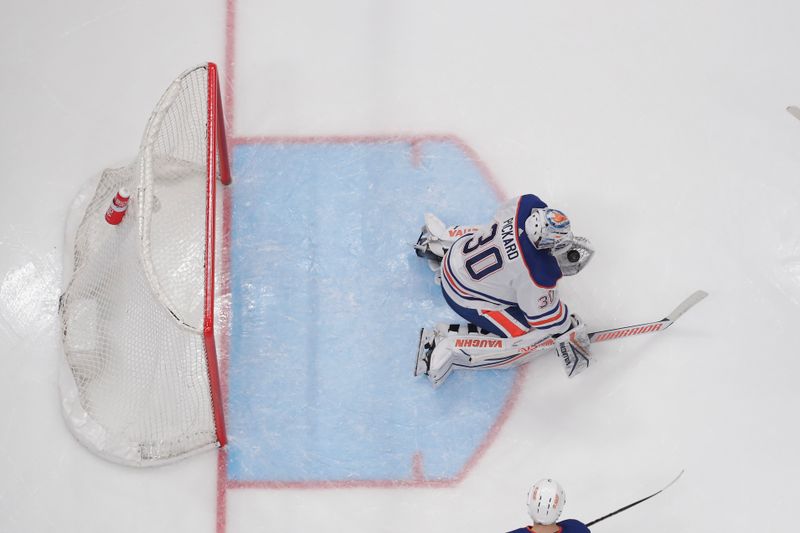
(441, 361)
(450, 346)
(436, 351)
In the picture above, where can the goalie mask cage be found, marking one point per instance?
(141, 382)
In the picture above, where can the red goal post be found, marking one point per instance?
(217, 150)
(141, 381)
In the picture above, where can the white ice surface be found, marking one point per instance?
(659, 128)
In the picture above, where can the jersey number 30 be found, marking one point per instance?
(487, 261)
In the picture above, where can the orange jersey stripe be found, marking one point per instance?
(504, 321)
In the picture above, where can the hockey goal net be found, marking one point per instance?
(141, 383)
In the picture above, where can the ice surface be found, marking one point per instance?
(328, 298)
(660, 129)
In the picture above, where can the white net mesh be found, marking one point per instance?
(132, 315)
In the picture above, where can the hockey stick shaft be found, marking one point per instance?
(609, 515)
(638, 329)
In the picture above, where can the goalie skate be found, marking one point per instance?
(432, 242)
(427, 342)
(423, 250)
(427, 248)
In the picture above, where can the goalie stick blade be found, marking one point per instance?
(649, 327)
(685, 305)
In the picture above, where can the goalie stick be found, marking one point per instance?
(636, 502)
(518, 345)
(794, 111)
(522, 346)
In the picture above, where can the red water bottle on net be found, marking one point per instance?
(118, 207)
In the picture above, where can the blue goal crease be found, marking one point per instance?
(328, 298)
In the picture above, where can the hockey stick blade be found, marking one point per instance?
(685, 305)
(649, 327)
(794, 111)
(636, 502)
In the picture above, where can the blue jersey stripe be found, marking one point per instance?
(550, 312)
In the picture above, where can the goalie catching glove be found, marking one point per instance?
(573, 347)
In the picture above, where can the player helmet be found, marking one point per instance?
(546, 500)
(548, 229)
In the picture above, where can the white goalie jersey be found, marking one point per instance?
(497, 268)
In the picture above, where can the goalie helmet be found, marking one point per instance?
(548, 229)
(546, 500)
